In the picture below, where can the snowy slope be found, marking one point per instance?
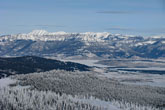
(82, 45)
(4, 82)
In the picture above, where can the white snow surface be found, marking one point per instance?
(97, 102)
(87, 62)
(149, 42)
(4, 82)
(137, 78)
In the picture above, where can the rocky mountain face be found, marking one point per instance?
(82, 45)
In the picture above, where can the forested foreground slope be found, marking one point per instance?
(25, 99)
(91, 84)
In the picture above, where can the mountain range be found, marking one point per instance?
(82, 45)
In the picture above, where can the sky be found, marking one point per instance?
(135, 17)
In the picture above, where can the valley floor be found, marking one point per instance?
(129, 73)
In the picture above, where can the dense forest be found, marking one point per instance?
(25, 99)
(30, 64)
(91, 84)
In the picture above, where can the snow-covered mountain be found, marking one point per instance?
(42, 35)
(82, 45)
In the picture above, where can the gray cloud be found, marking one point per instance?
(114, 12)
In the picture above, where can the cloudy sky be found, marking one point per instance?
(137, 17)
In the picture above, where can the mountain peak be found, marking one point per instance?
(44, 32)
(38, 32)
(59, 33)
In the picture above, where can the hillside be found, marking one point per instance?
(30, 64)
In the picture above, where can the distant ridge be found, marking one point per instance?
(83, 45)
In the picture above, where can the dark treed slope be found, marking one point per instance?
(30, 64)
